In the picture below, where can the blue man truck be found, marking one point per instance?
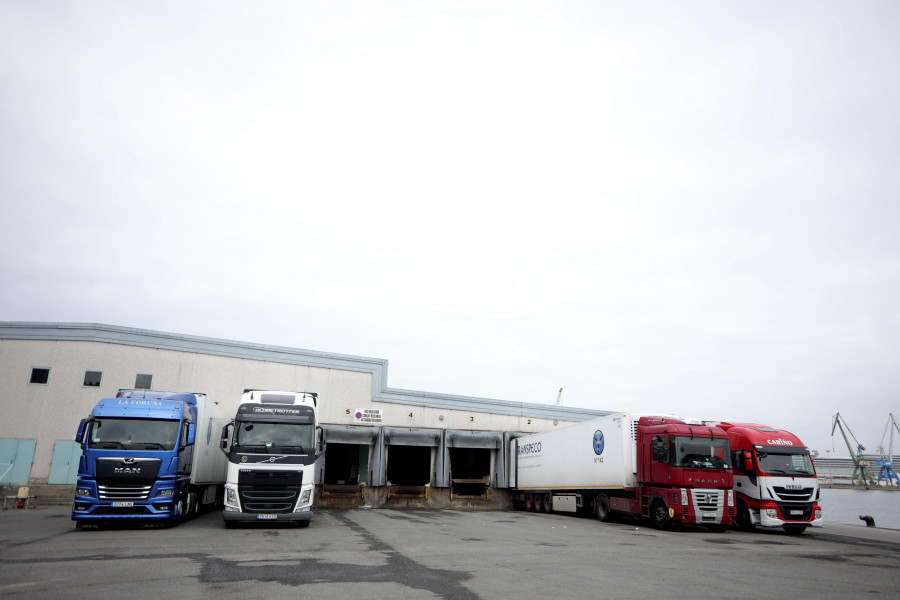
(148, 456)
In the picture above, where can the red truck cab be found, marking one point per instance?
(686, 468)
(775, 480)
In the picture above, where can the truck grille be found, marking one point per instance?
(258, 498)
(707, 500)
(801, 495)
(111, 493)
(269, 491)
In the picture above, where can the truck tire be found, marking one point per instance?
(529, 502)
(601, 505)
(659, 515)
(538, 503)
(742, 518)
(548, 503)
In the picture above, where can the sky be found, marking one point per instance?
(682, 207)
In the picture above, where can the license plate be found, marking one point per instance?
(797, 512)
(708, 515)
(266, 516)
(122, 504)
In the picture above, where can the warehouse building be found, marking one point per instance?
(384, 446)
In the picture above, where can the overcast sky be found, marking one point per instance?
(687, 207)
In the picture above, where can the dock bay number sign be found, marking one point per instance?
(367, 415)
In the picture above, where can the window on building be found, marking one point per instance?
(92, 378)
(143, 381)
(40, 375)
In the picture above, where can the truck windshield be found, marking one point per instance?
(704, 453)
(274, 437)
(133, 434)
(786, 464)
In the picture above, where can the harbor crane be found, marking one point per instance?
(861, 474)
(885, 463)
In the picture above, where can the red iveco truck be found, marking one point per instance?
(662, 468)
(774, 479)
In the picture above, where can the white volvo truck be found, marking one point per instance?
(272, 447)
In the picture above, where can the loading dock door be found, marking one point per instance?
(473, 461)
(410, 457)
(347, 452)
(16, 457)
(64, 465)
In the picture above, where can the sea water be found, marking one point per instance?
(845, 506)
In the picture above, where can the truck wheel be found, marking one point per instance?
(538, 503)
(548, 503)
(602, 507)
(742, 518)
(529, 502)
(659, 515)
(794, 529)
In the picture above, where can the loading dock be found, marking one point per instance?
(411, 460)
(346, 467)
(472, 460)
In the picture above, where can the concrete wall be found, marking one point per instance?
(221, 369)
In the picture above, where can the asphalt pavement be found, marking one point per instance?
(437, 554)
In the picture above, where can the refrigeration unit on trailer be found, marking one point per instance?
(663, 468)
(148, 456)
(272, 447)
(774, 479)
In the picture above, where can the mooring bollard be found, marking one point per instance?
(870, 521)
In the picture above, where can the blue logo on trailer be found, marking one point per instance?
(598, 442)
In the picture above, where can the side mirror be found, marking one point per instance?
(79, 436)
(226, 436)
(320, 440)
(192, 433)
(748, 461)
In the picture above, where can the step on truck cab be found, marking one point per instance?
(148, 456)
(774, 479)
(663, 468)
(272, 446)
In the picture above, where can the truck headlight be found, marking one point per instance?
(303, 501)
(231, 496)
(818, 514)
(684, 497)
(83, 492)
(730, 497)
(165, 493)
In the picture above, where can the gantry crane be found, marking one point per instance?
(861, 474)
(885, 463)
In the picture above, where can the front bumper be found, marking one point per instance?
(305, 515)
(779, 520)
(106, 512)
